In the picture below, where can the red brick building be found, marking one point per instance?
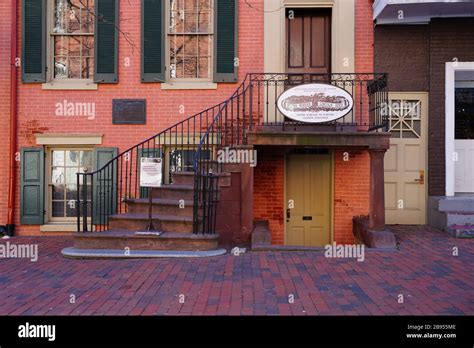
(103, 83)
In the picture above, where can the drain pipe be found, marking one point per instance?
(10, 227)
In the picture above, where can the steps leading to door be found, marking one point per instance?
(121, 240)
(172, 214)
(452, 214)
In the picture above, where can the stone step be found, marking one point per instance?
(187, 178)
(138, 222)
(457, 204)
(120, 240)
(174, 191)
(161, 206)
(461, 231)
(183, 178)
(459, 218)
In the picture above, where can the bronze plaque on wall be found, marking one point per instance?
(129, 111)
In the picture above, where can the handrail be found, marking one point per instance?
(192, 144)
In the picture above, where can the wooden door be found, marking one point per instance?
(405, 161)
(308, 40)
(308, 187)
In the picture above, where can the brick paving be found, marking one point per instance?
(423, 270)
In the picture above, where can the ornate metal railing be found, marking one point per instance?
(196, 143)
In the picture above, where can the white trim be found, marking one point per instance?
(176, 84)
(450, 83)
(68, 139)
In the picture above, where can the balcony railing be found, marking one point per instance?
(194, 143)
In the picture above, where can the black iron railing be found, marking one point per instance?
(196, 143)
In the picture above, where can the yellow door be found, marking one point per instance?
(405, 161)
(308, 196)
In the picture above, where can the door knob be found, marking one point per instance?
(421, 179)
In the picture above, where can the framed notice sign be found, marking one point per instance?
(150, 172)
(315, 103)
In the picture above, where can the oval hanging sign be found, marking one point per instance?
(315, 103)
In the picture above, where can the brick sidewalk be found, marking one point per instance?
(424, 271)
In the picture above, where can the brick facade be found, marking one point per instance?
(351, 178)
(403, 52)
(4, 105)
(351, 191)
(36, 114)
(36, 107)
(268, 204)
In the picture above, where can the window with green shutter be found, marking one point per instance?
(104, 185)
(106, 37)
(34, 40)
(32, 186)
(70, 40)
(152, 37)
(189, 41)
(225, 43)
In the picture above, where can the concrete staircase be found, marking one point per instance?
(174, 220)
(452, 214)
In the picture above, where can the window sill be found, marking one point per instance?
(188, 85)
(59, 227)
(70, 85)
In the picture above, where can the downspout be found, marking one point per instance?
(10, 227)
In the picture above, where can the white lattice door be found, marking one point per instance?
(405, 161)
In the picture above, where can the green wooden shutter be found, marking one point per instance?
(33, 61)
(32, 186)
(225, 40)
(106, 41)
(145, 152)
(153, 41)
(104, 188)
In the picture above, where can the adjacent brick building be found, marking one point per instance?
(428, 54)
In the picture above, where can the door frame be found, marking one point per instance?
(424, 98)
(450, 85)
(331, 199)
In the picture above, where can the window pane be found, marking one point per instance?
(190, 54)
(205, 43)
(58, 209)
(86, 159)
(190, 22)
(464, 113)
(58, 192)
(57, 175)
(73, 54)
(72, 158)
(58, 158)
(190, 45)
(71, 177)
(60, 67)
(71, 192)
(74, 68)
(203, 68)
(73, 16)
(71, 210)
